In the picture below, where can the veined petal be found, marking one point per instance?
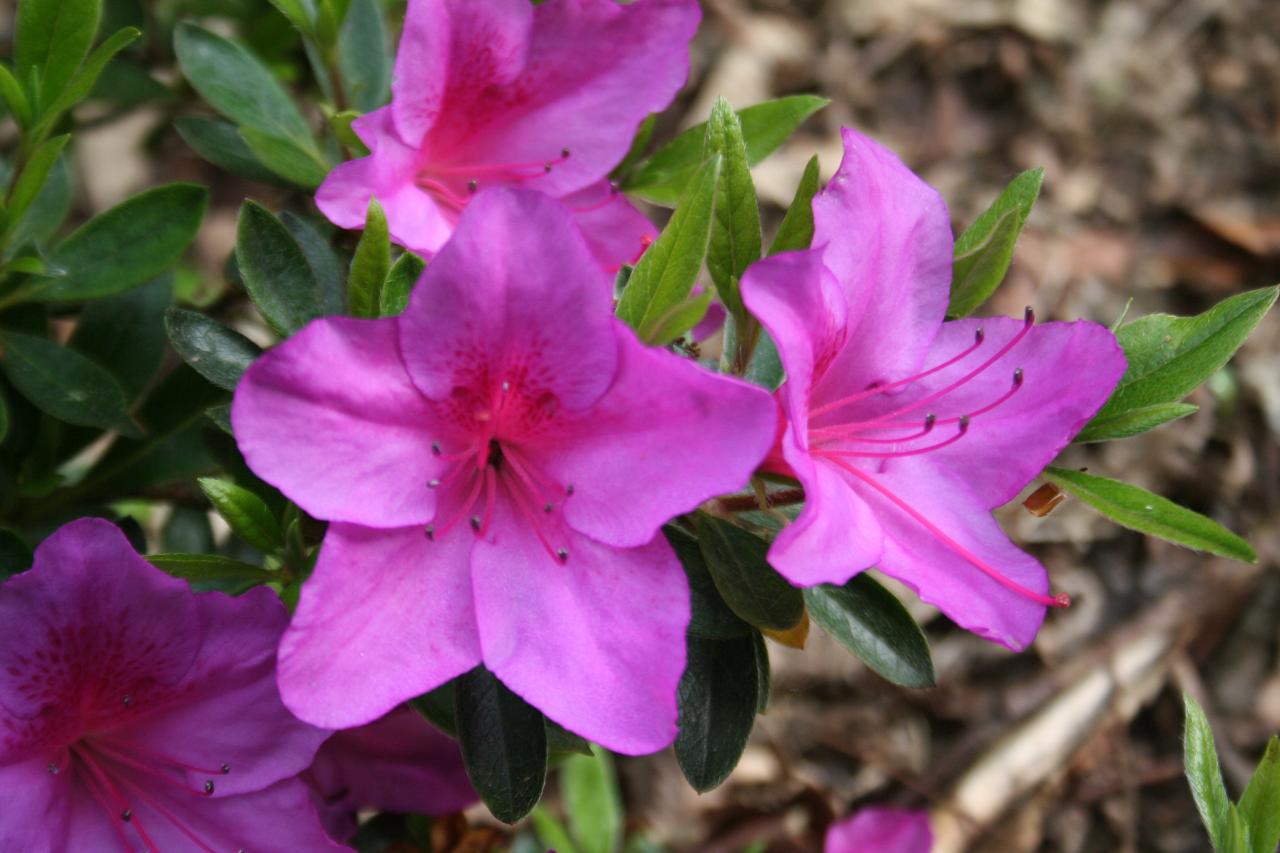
(516, 294)
(331, 418)
(386, 615)
(665, 437)
(40, 809)
(836, 535)
(596, 642)
(616, 232)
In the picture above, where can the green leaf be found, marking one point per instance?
(84, 80)
(735, 231)
(1133, 422)
(131, 243)
(551, 832)
(52, 38)
(363, 56)
(4, 415)
(47, 212)
(739, 566)
(764, 673)
(718, 696)
(221, 417)
(13, 96)
(275, 270)
(401, 278)
(869, 621)
(15, 555)
(592, 801)
(639, 143)
(34, 174)
(124, 333)
(238, 85)
(796, 230)
(297, 163)
(211, 567)
(1138, 509)
(370, 264)
(662, 178)
(668, 269)
(217, 353)
(328, 272)
(504, 745)
(1260, 805)
(64, 383)
(985, 249)
(222, 145)
(1170, 356)
(1200, 757)
(1237, 832)
(711, 617)
(300, 13)
(679, 319)
(248, 515)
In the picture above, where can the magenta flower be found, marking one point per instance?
(492, 93)
(906, 431)
(496, 464)
(399, 763)
(136, 714)
(879, 830)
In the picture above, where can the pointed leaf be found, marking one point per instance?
(295, 162)
(711, 617)
(592, 801)
(364, 56)
(718, 695)
(1133, 421)
(222, 145)
(1260, 805)
(53, 38)
(34, 175)
(211, 567)
(401, 278)
(1201, 760)
(735, 230)
(84, 80)
(217, 353)
(248, 515)
(275, 270)
(330, 273)
(796, 230)
(13, 96)
(64, 383)
(738, 563)
(983, 252)
(678, 320)
(869, 621)
(370, 264)
(504, 745)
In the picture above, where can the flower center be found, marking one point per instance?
(451, 186)
(881, 437)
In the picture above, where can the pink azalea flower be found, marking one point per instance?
(399, 763)
(906, 431)
(496, 464)
(879, 830)
(492, 93)
(136, 714)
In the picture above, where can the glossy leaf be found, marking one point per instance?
(711, 617)
(796, 230)
(82, 83)
(295, 162)
(666, 273)
(52, 38)
(125, 333)
(222, 145)
(738, 563)
(1134, 421)
(401, 278)
(275, 270)
(504, 745)
(985, 249)
(764, 672)
(370, 264)
(13, 96)
(679, 319)
(48, 210)
(34, 175)
(718, 697)
(1138, 509)
(592, 801)
(869, 621)
(735, 230)
(364, 56)
(211, 567)
(64, 383)
(663, 177)
(1260, 805)
(217, 353)
(1200, 757)
(248, 515)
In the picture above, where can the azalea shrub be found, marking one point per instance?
(524, 477)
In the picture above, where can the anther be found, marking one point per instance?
(547, 167)
(225, 768)
(562, 555)
(431, 533)
(964, 424)
(435, 448)
(564, 153)
(54, 769)
(549, 508)
(1028, 316)
(1017, 377)
(473, 186)
(1062, 600)
(475, 523)
(979, 335)
(208, 787)
(568, 490)
(506, 386)
(929, 420)
(433, 483)
(126, 815)
(127, 700)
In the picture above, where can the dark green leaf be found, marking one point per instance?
(217, 353)
(363, 56)
(1133, 421)
(639, 143)
(4, 417)
(187, 531)
(370, 264)
(764, 672)
(220, 143)
(131, 243)
(560, 739)
(329, 273)
(34, 175)
(124, 333)
(64, 383)
(504, 745)
(13, 96)
(796, 230)
(1260, 805)
(238, 85)
(210, 567)
(15, 555)
(404, 274)
(275, 270)
(592, 801)
(1170, 356)
(48, 211)
(983, 252)
(735, 230)
(668, 269)
(300, 13)
(662, 178)
(296, 163)
(869, 621)
(84, 80)
(738, 563)
(221, 416)
(711, 618)
(1201, 761)
(1140, 510)
(718, 696)
(125, 83)
(247, 513)
(53, 38)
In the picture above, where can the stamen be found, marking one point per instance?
(832, 433)
(465, 507)
(140, 793)
(522, 504)
(1060, 600)
(609, 198)
(435, 448)
(894, 454)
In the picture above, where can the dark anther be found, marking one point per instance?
(562, 555)
(225, 768)
(1017, 377)
(435, 448)
(473, 186)
(564, 153)
(495, 453)
(568, 490)
(475, 523)
(1029, 316)
(208, 787)
(127, 700)
(929, 421)
(979, 335)
(433, 483)
(547, 167)
(549, 508)
(964, 424)
(431, 533)
(126, 815)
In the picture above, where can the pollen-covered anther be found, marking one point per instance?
(208, 787)
(562, 555)
(1017, 377)
(225, 768)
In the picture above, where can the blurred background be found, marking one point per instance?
(1158, 125)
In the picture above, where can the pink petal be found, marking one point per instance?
(887, 240)
(616, 232)
(38, 810)
(836, 535)
(944, 577)
(667, 436)
(880, 830)
(331, 418)
(515, 292)
(385, 616)
(596, 643)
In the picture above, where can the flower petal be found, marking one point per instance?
(596, 643)
(516, 293)
(937, 570)
(667, 436)
(836, 535)
(40, 810)
(883, 831)
(331, 418)
(385, 616)
(887, 239)
(616, 232)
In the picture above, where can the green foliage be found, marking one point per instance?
(212, 568)
(711, 618)
(719, 695)
(983, 252)
(869, 621)
(64, 383)
(364, 57)
(592, 801)
(370, 265)
(222, 145)
(247, 514)
(51, 39)
(401, 278)
(1229, 831)
(219, 354)
(796, 230)
(276, 271)
(1259, 807)
(735, 232)
(738, 565)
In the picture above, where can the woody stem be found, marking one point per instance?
(747, 503)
